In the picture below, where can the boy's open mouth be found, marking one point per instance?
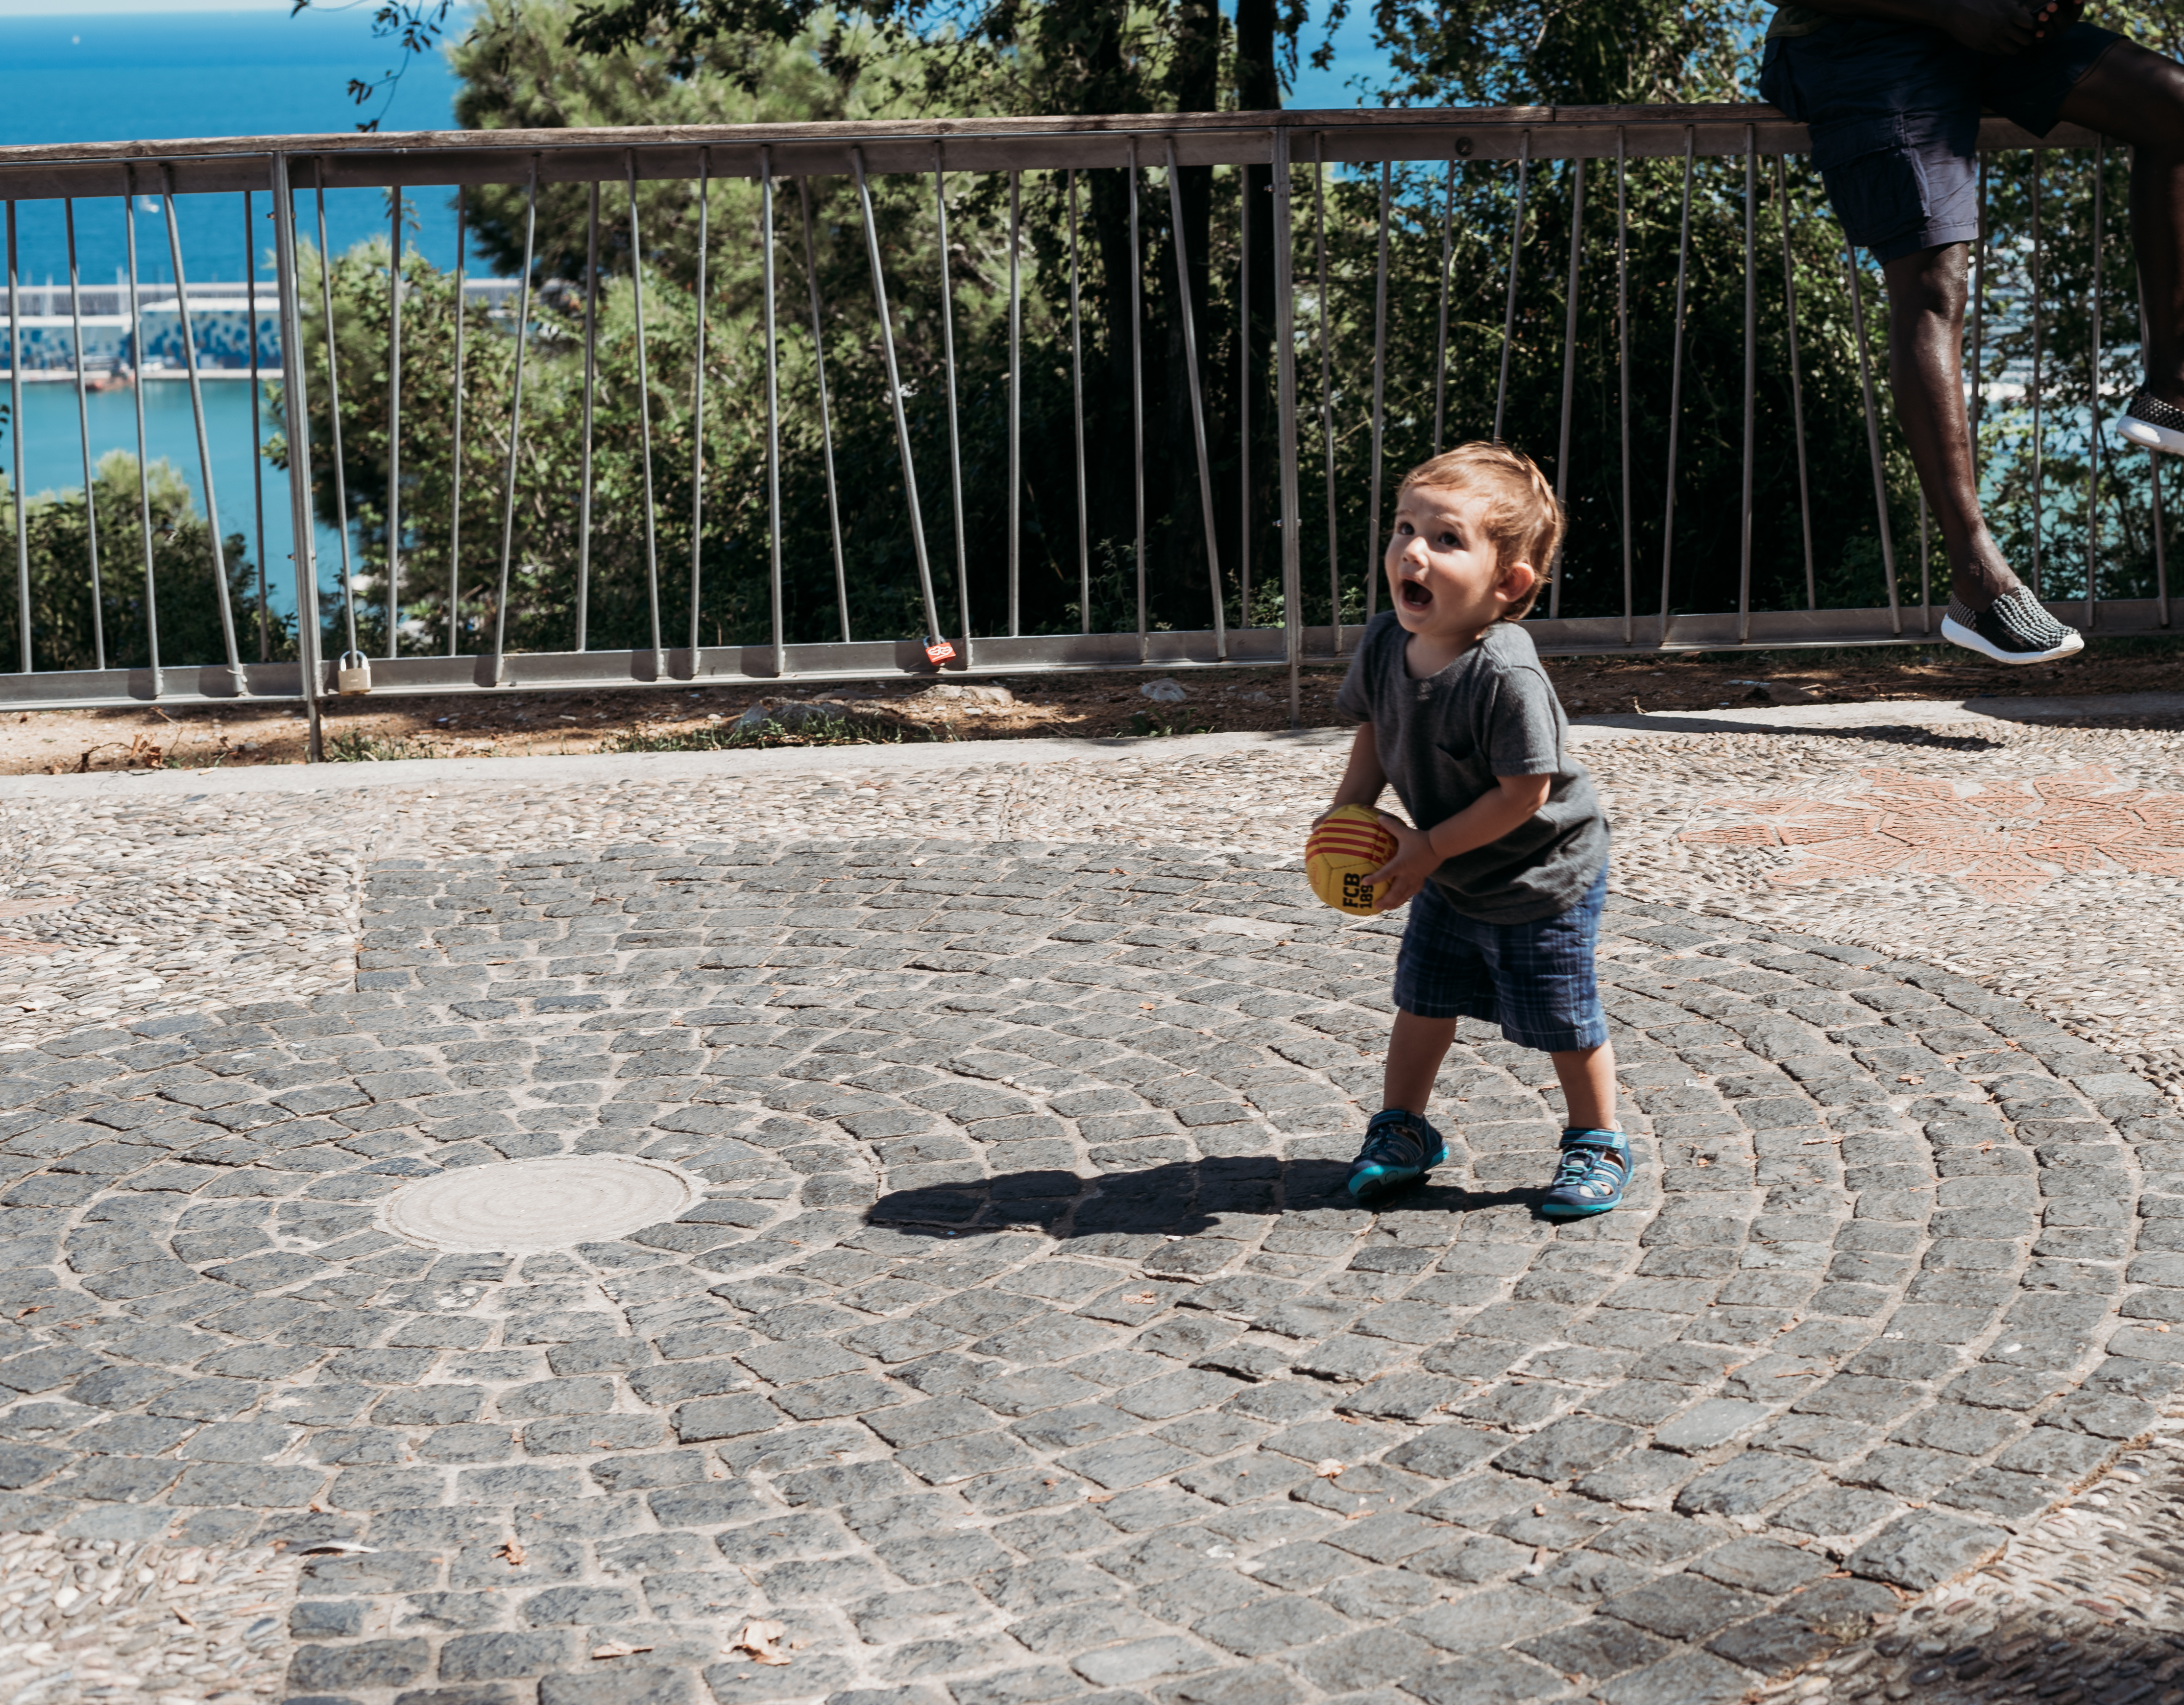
(1415, 594)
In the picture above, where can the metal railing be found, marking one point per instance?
(1296, 152)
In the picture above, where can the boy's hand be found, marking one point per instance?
(1406, 873)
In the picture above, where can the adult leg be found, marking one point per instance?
(1991, 611)
(2137, 97)
(1925, 370)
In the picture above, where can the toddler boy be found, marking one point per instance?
(1507, 876)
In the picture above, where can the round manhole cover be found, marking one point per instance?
(513, 1206)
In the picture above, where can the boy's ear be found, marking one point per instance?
(1515, 581)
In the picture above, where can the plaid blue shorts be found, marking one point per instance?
(1535, 980)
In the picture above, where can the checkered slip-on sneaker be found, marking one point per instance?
(1400, 1148)
(2016, 628)
(1594, 1172)
(2153, 423)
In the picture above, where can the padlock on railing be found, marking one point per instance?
(353, 674)
(938, 650)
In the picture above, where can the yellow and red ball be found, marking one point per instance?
(1347, 845)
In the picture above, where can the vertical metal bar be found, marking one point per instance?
(1138, 390)
(1244, 395)
(137, 391)
(296, 413)
(333, 408)
(1440, 340)
(83, 430)
(2039, 340)
(1570, 371)
(1016, 403)
(455, 455)
(644, 416)
(772, 429)
(1750, 377)
(826, 416)
(20, 504)
(514, 426)
(1189, 313)
(894, 398)
(1325, 314)
(2153, 472)
(1516, 252)
(1979, 320)
(1925, 566)
(1077, 397)
(394, 423)
(955, 438)
(1285, 393)
(698, 389)
(1797, 387)
(257, 437)
(1379, 418)
(204, 437)
(1873, 436)
(2160, 547)
(585, 479)
(2093, 400)
(1676, 390)
(1622, 369)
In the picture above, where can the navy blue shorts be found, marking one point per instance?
(1533, 979)
(1894, 112)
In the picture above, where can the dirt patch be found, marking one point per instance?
(1042, 706)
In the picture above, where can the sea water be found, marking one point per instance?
(95, 75)
(106, 76)
(53, 450)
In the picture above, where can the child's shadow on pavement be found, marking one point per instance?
(1178, 1198)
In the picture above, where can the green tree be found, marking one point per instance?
(559, 63)
(63, 631)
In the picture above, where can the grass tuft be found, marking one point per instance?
(355, 747)
(848, 731)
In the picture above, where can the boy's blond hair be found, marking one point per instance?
(1522, 518)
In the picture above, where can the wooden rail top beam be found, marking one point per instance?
(351, 159)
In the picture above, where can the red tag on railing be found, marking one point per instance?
(939, 651)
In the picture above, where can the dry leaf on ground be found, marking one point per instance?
(758, 1642)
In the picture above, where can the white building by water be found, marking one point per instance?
(220, 319)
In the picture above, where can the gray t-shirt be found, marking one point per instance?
(1443, 741)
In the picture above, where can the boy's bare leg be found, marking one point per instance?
(1587, 1076)
(1416, 1048)
(1400, 1145)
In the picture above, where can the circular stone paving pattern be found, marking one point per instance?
(523, 1207)
(1022, 1344)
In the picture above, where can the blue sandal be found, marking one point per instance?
(1400, 1148)
(1595, 1169)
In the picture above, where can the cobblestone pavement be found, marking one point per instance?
(1020, 1345)
(113, 907)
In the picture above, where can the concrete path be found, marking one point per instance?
(441, 773)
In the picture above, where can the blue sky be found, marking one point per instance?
(1353, 43)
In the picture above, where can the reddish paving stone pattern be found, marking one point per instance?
(2002, 841)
